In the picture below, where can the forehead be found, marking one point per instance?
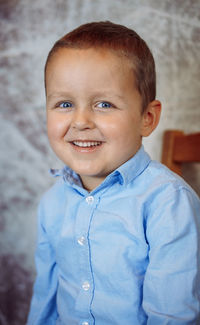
(94, 63)
(102, 55)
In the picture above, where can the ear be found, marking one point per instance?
(150, 118)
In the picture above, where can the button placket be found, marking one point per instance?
(83, 219)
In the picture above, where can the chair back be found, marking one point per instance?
(179, 148)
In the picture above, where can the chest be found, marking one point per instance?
(106, 234)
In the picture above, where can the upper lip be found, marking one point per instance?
(85, 140)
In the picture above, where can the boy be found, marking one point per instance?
(118, 233)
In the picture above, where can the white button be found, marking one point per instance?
(86, 286)
(85, 323)
(89, 199)
(81, 240)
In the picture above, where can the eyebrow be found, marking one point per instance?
(101, 95)
(107, 94)
(58, 94)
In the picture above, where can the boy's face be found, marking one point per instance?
(94, 115)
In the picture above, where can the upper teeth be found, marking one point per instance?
(86, 144)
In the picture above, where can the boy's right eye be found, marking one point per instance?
(64, 105)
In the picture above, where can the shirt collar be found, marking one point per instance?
(125, 173)
(134, 166)
(68, 175)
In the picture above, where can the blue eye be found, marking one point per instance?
(104, 105)
(65, 105)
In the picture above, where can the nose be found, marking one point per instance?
(82, 119)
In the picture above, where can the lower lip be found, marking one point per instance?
(86, 149)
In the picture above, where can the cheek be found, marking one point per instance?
(118, 129)
(56, 127)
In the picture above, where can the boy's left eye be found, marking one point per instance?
(104, 105)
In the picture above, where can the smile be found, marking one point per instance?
(86, 144)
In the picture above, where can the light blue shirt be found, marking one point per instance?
(126, 253)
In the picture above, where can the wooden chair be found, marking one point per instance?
(180, 148)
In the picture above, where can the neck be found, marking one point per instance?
(91, 182)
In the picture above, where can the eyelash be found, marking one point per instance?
(102, 105)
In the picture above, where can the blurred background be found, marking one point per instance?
(28, 29)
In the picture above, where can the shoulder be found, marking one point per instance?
(56, 190)
(52, 204)
(168, 194)
(170, 198)
(161, 180)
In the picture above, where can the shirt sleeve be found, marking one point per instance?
(171, 291)
(43, 305)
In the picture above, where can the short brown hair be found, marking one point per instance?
(121, 40)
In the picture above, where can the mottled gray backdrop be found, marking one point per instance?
(27, 31)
